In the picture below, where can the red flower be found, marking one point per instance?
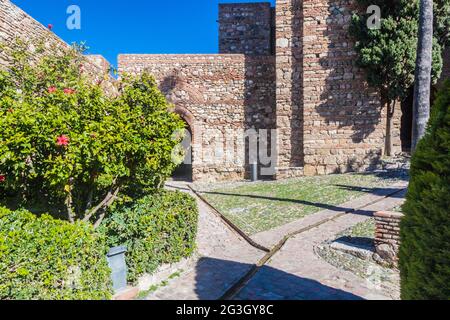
(2, 178)
(62, 141)
(52, 89)
(50, 26)
(69, 91)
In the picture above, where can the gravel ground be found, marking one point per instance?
(386, 279)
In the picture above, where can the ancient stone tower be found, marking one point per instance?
(290, 68)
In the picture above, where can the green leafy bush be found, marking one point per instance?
(157, 229)
(44, 258)
(66, 143)
(425, 230)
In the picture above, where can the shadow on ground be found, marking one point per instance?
(215, 276)
(374, 191)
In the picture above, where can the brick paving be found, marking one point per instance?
(224, 258)
(295, 272)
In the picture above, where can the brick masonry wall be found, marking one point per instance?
(289, 87)
(311, 91)
(342, 124)
(219, 96)
(328, 119)
(15, 23)
(246, 28)
(387, 234)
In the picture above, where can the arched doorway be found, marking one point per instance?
(184, 171)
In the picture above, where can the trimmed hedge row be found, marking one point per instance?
(157, 229)
(45, 258)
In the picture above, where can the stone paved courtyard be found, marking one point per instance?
(294, 272)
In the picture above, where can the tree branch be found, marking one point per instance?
(102, 215)
(107, 201)
(89, 200)
(68, 203)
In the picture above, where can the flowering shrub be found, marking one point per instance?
(66, 144)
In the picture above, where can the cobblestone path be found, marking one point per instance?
(294, 272)
(224, 258)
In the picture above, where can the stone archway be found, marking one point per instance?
(184, 171)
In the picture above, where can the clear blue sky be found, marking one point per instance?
(111, 27)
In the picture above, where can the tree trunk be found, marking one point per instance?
(390, 110)
(422, 86)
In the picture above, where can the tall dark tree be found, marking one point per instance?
(388, 53)
(424, 257)
(422, 84)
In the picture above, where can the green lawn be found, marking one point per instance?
(256, 207)
(365, 229)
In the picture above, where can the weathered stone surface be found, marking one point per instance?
(219, 96)
(15, 23)
(386, 252)
(290, 68)
(246, 28)
(362, 251)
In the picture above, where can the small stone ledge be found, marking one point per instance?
(388, 214)
(164, 271)
(387, 237)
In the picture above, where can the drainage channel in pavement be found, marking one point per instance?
(234, 290)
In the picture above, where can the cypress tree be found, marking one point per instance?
(424, 257)
(388, 53)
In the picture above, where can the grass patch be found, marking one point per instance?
(365, 229)
(256, 207)
(145, 293)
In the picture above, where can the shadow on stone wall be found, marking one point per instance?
(179, 92)
(259, 104)
(297, 98)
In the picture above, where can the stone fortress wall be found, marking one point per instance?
(221, 95)
(326, 118)
(290, 69)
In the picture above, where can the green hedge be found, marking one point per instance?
(425, 231)
(48, 259)
(157, 229)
